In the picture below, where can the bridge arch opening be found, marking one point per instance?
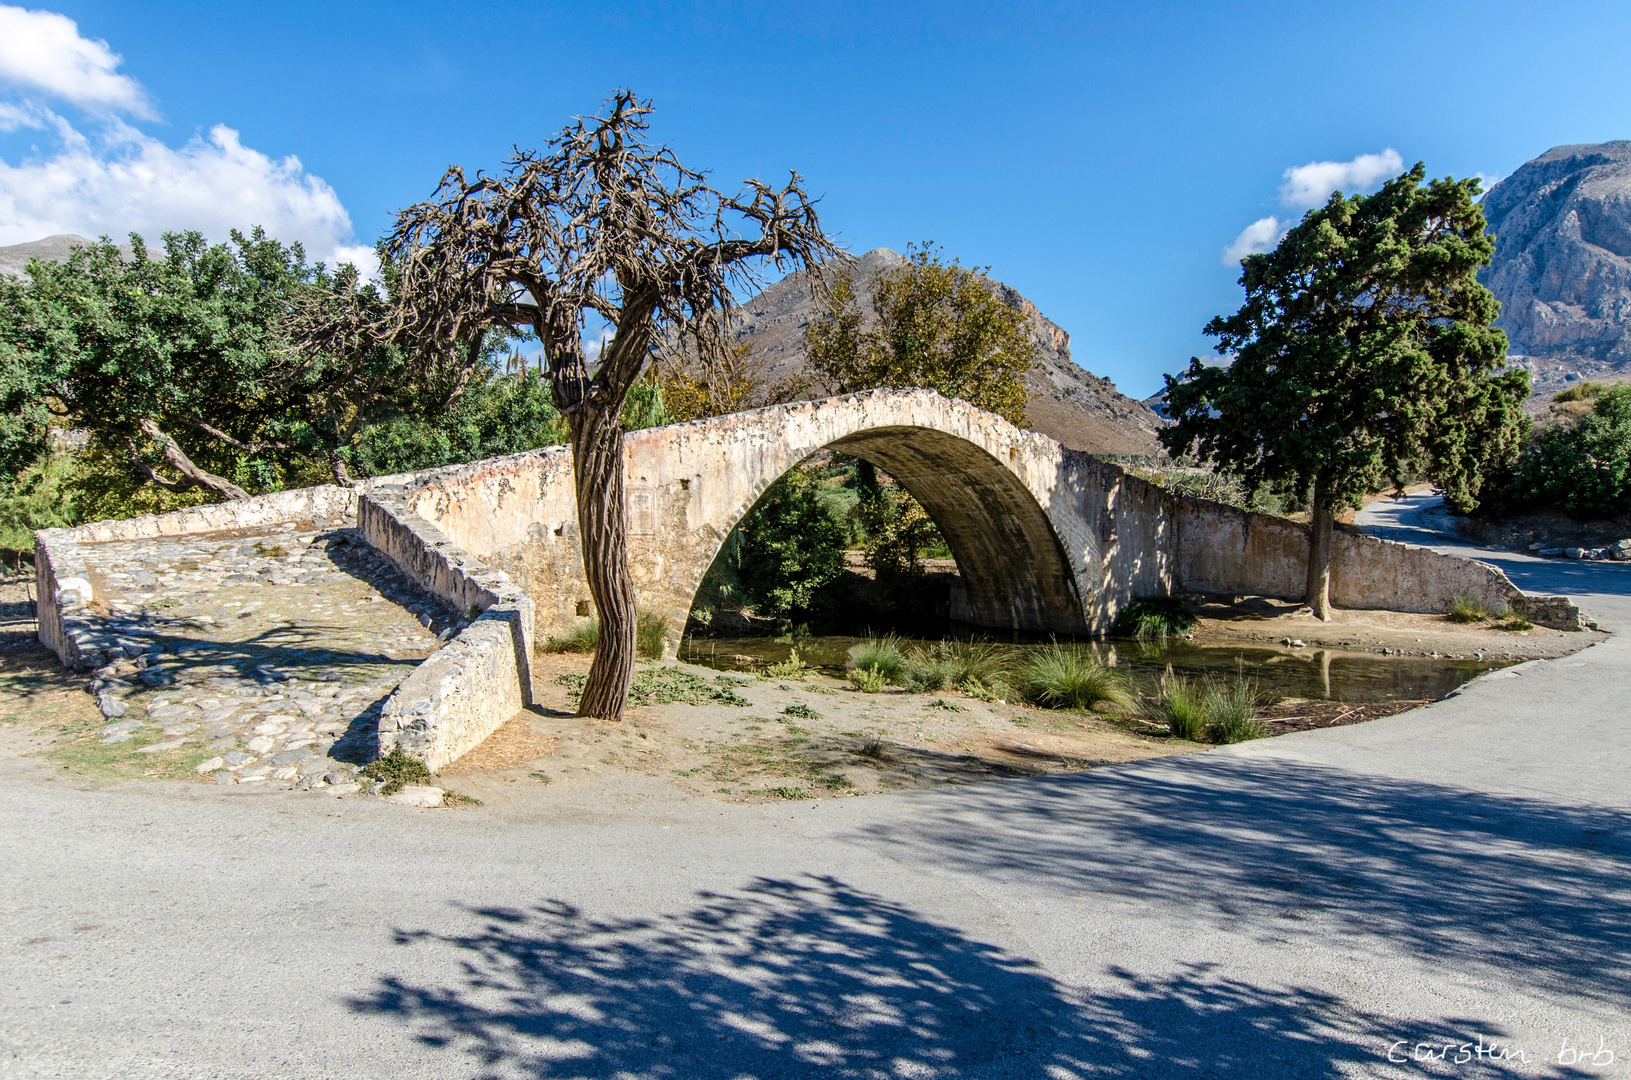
(1014, 572)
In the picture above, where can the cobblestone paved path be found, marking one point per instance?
(257, 657)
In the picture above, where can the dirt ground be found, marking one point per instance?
(767, 738)
(1399, 633)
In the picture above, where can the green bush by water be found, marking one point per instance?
(868, 680)
(1231, 710)
(928, 669)
(1061, 678)
(1157, 617)
(1180, 707)
(793, 667)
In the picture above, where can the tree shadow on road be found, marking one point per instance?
(1530, 892)
(812, 978)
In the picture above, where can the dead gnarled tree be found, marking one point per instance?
(600, 222)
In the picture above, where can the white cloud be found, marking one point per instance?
(1311, 184)
(131, 182)
(1260, 235)
(127, 181)
(41, 51)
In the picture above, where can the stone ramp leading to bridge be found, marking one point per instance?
(257, 656)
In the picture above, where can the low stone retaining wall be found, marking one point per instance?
(481, 678)
(1225, 550)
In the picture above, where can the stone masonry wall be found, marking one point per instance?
(482, 678)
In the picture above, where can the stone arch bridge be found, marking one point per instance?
(1046, 539)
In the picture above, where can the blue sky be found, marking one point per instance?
(1100, 158)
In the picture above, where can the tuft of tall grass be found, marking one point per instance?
(928, 669)
(650, 631)
(581, 638)
(977, 668)
(882, 656)
(1467, 609)
(1179, 706)
(1211, 709)
(1061, 678)
(1231, 710)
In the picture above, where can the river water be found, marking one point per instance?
(1318, 674)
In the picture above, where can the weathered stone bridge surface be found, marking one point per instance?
(1046, 539)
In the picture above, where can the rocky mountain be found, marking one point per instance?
(52, 249)
(14, 259)
(1562, 267)
(1067, 402)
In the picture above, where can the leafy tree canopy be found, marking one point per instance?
(1584, 468)
(1363, 353)
(935, 325)
(179, 368)
(790, 546)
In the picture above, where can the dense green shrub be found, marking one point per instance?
(497, 414)
(1156, 617)
(787, 548)
(1584, 469)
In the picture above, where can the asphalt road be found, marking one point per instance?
(1431, 885)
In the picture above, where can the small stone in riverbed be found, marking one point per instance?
(269, 728)
(211, 765)
(238, 757)
(222, 777)
(288, 757)
(262, 744)
(121, 727)
(111, 707)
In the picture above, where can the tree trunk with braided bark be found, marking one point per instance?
(597, 468)
(1320, 528)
